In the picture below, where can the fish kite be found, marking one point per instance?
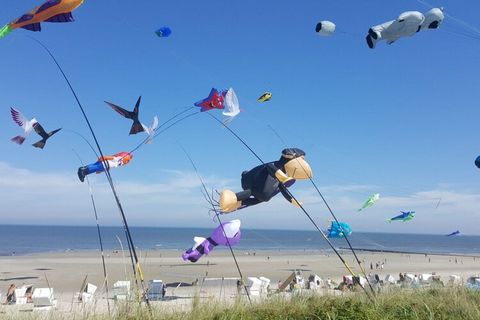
(231, 105)
(27, 126)
(405, 216)
(151, 130)
(263, 182)
(325, 28)
(215, 100)
(406, 25)
(370, 201)
(163, 32)
(114, 161)
(49, 11)
(265, 97)
(228, 233)
(477, 162)
(454, 233)
(133, 115)
(339, 230)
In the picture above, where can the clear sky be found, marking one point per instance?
(399, 120)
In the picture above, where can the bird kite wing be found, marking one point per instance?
(18, 117)
(155, 124)
(120, 110)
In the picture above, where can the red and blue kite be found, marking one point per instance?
(215, 100)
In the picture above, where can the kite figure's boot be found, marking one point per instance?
(81, 173)
(229, 201)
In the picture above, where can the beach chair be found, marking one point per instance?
(454, 279)
(121, 290)
(265, 284)
(43, 299)
(20, 295)
(156, 290)
(254, 286)
(88, 293)
(389, 279)
(425, 278)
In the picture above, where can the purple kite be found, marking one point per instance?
(203, 246)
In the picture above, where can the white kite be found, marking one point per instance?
(406, 25)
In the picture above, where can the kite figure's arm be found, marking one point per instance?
(287, 196)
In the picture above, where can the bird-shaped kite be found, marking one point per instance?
(49, 11)
(133, 115)
(232, 106)
(151, 130)
(27, 126)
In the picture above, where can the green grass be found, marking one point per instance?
(438, 304)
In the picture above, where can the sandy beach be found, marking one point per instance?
(66, 271)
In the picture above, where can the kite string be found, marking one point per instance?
(331, 213)
(107, 173)
(210, 201)
(299, 205)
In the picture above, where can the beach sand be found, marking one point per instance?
(66, 271)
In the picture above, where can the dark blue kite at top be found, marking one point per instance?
(164, 32)
(477, 162)
(339, 230)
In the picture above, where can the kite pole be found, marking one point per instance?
(136, 266)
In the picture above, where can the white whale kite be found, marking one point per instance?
(406, 25)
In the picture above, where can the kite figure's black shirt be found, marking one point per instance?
(260, 183)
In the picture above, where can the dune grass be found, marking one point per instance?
(438, 304)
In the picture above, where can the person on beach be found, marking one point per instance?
(10, 295)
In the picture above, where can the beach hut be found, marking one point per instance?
(254, 286)
(121, 290)
(156, 290)
(43, 299)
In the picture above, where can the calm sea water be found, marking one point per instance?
(32, 239)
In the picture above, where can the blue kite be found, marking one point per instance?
(339, 230)
(454, 233)
(405, 216)
(164, 32)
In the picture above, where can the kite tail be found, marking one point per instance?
(6, 29)
(136, 127)
(40, 144)
(18, 139)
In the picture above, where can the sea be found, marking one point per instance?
(26, 240)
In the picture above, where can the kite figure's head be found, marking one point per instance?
(295, 164)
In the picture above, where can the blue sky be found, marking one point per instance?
(399, 120)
